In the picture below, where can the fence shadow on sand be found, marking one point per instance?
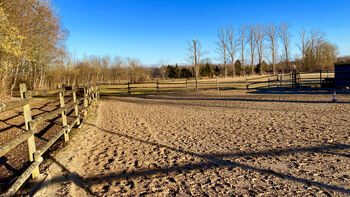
(151, 99)
(300, 90)
(210, 161)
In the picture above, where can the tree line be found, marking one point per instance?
(31, 41)
(262, 43)
(209, 70)
(33, 50)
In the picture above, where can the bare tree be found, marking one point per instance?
(272, 33)
(242, 38)
(195, 51)
(260, 40)
(133, 64)
(137, 72)
(117, 70)
(232, 47)
(317, 53)
(285, 37)
(252, 42)
(302, 45)
(315, 39)
(222, 34)
(327, 55)
(309, 40)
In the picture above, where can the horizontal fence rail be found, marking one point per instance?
(91, 95)
(322, 78)
(168, 86)
(15, 104)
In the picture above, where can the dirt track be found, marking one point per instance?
(209, 144)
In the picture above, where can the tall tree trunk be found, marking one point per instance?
(225, 70)
(14, 80)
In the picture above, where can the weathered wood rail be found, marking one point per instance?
(262, 81)
(90, 97)
(165, 86)
(280, 80)
(322, 78)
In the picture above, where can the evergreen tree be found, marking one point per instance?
(185, 73)
(207, 70)
(238, 67)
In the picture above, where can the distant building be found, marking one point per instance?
(342, 74)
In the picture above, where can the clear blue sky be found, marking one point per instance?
(157, 30)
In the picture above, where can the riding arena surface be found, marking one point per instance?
(211, 143)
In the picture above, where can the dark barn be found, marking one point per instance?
(342, 74)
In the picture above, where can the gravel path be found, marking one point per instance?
(209, 144)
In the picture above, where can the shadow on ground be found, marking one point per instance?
(210, 161)
(301, 90)
(221, 98)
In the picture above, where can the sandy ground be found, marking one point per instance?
(209, 144)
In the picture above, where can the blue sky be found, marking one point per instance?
(158, 31)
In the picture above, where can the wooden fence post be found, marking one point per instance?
(96, 94)
(277, 83)
(85, 101)
(196, 85)
(268, 82)
(89, 94)
(99, 89)
(76, 109)
(129, 89)
(157, 87)
(92, 101)
(63, 114)
(246, 83)
(27, 118)
(320, 77)
(186, 86)
(217, 83)
(281, 80)
(93, 95)
(26, 108)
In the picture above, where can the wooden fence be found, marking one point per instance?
(267, 81)
(317, 79)
(280, 80)
(90, 97)
(322, 78)
(170, 86)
